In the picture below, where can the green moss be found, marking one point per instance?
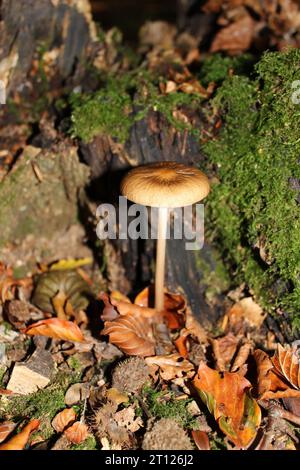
(110, 110)
(43, 404)
(216, 67)
(162, 404)
(89, 444)
(253, 215)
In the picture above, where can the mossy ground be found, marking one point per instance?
(43, 404)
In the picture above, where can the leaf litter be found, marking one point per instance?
(119, 398)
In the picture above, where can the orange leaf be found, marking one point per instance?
(227, 397)
(55, 328)
(181, 343)
(5, 429)
(19, 441)
(131, 334)
(63, 419)
(125, 308)
(270, 384)
(77, 433)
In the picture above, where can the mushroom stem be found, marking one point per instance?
(160, 257)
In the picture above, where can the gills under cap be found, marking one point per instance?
(165, 184)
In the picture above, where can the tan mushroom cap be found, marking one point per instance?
(165, 184)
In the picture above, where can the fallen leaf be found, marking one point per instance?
(270, 385)
(201, 440)
(19, 441)
(77, 433)
(241, 357)
(287, 364)
(126, 419)
(55, 328)
(171, 366)
(226, 395)
(236, 37)
(245, 310)
(5, 429)
(125, 308)
(224, 349)
(131, 334)
(63, 419)
(116, 396)
(71, 263)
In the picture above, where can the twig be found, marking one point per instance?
(279, 412)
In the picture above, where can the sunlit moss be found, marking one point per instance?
(253, 213)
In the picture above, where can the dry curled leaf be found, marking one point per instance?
(224, 349)
(171, 366)
(5, 429)
(19, 441)
(126, 419)
(63, 419)
(133, 335)
(55, 328)
(226, 395)
(77, 433)
(287, 364)
(270, 383)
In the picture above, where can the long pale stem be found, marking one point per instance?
(160, 258)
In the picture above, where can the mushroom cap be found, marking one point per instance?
(165, 184)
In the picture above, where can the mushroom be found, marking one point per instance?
(164, 185)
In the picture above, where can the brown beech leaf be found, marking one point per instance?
(171, 366)
(201, 440)
(56, 328)
(226, 395)
(236, 37)
(287, 364)
(132, 334)
(5, 429)
(63, 419)
(270, 384)
(19, 441)
(224, 349)
(77, 433)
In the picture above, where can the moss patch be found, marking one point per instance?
(43, 404)
(121, 101)
(253, 213)
(163, 404)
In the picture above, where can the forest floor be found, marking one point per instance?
(88, 370)
(85, 367)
